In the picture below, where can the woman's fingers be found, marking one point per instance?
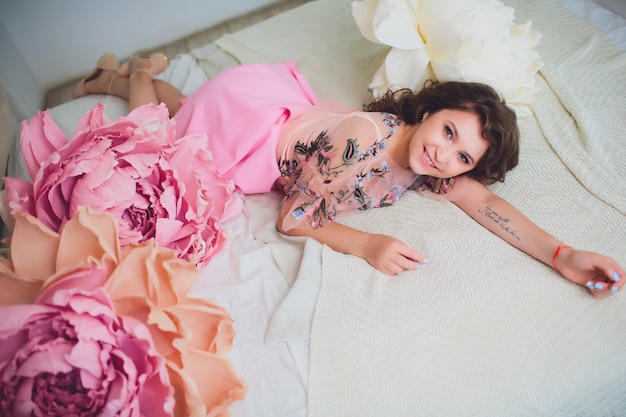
(405, 260)
(608, 282)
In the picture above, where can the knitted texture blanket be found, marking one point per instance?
(483, 329)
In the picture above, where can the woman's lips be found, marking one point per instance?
(427, 160)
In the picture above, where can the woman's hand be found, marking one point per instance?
(390, 255)
(599, 273)
(385, 253)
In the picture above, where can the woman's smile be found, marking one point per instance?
(428, 160)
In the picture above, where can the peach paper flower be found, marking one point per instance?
(146, 282)
(464, 40)
(154, 186)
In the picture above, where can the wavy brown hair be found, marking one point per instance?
(499, 122)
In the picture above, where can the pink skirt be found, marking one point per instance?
(242, 110)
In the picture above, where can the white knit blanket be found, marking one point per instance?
(484, 330)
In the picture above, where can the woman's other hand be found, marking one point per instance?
(599, 273)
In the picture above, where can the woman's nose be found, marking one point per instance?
(444, 153)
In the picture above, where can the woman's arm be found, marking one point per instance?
(385, 253)
(602, 275)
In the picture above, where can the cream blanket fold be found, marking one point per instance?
(484, 330)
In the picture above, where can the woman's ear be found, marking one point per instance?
(424, 115)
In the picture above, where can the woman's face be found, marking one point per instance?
(446, 144)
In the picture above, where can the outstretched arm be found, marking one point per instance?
(385, 253)
(601, 274)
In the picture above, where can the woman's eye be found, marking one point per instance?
(448, 132)
(464, 158)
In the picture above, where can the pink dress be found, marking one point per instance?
(267, 129)
(242, 110)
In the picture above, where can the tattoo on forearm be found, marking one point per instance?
(503, 222)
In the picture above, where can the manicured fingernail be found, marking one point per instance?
(615, 276)
(426, 261)
(599, 286)
(590, 285)
(614, 288)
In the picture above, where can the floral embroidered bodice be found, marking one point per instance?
(335, 161)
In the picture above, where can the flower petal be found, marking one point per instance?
(89, 235)
(363, 13)
(402, 69)
(390, 22)
(91, 120)
(209, 326)
(39, 139)
(215, 378)
(396, 24)
(20, 195)
(31, 236)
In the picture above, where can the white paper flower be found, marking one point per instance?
(466, 40)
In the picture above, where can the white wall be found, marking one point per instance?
(44, 43)
(21, 89)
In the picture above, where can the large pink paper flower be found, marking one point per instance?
(154, 186)
(71, 355)
(146, 282)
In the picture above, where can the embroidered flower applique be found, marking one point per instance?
(322, 152)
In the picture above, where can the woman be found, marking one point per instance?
(267, 129)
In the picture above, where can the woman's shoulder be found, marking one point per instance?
(365, 126)
(384, 118)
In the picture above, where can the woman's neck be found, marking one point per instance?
(400, 146)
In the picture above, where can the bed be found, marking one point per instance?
(484, 329)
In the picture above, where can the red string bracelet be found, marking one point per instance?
(556, 253)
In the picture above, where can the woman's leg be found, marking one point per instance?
(140, 87)
(141, 90)
(109, 82)
(169, 95)
(137, 85)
